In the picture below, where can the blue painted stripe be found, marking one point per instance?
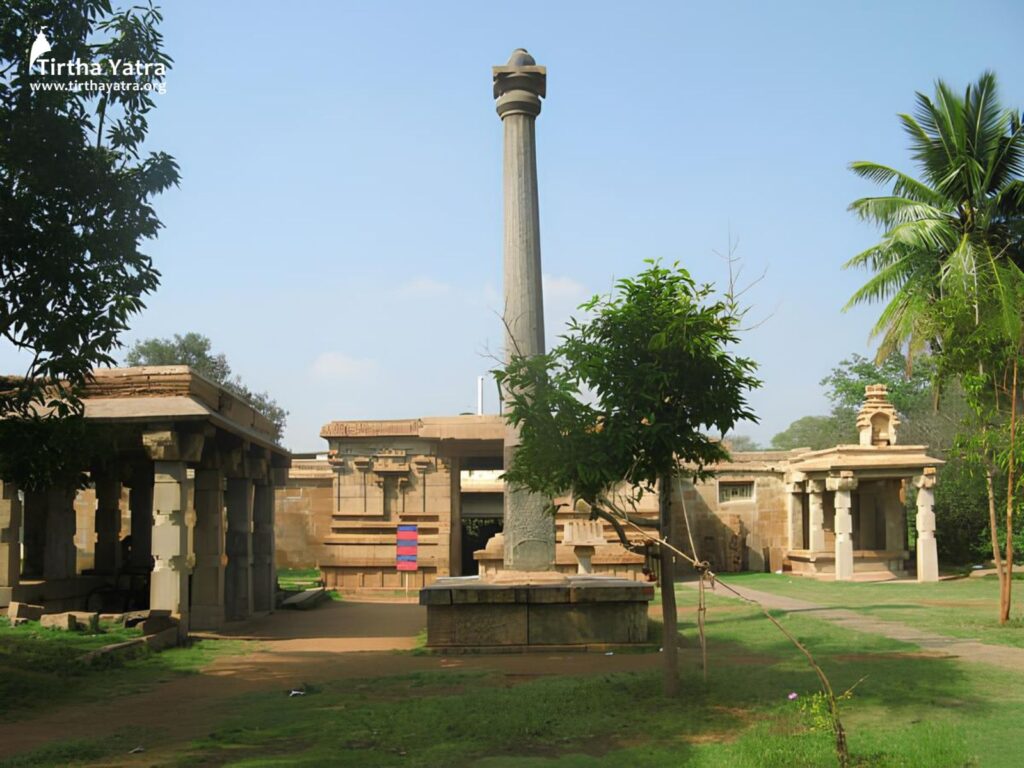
(407, 527)
(407, 558)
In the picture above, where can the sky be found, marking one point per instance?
(337, 232)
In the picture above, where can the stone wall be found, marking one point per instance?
(303, 514)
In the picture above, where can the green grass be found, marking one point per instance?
(908, 710)
(40, 667)
(961, 608)
(298, 578)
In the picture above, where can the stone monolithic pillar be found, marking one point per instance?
(238, 576)
(172, 519)
(140, 504)
(927, 556)
(843, 487)
(518, 88)
(795, 511)
(168, 586)
(211, 558)
(895, 522)
(10, 540)
(816, 518)
(60, 555)
(264, 576)
(108, 523)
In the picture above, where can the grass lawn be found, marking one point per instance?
(962, 608)
(910, 709)
(41, 667)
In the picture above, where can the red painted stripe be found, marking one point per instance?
(403, 566)
(405, 550)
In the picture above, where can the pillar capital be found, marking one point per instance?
(164, 443)
(519, 85)
(926, 480)
(844, 482)
(815, 486)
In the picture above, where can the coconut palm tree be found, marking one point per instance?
(951, 228)
(950, 264)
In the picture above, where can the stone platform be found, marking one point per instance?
(467, 613)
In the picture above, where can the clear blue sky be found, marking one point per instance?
(337, 232)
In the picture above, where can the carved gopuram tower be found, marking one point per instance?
(519, 87)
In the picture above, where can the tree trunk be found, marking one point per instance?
(1007, 583)
(670, 633)
(996, 555)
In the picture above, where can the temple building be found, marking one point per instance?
(177, 515)
(838, 513)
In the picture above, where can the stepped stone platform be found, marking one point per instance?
(538, 612)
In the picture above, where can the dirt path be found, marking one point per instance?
(336, 641)
(967, 650)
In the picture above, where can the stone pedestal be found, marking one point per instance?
(927, 556)
(238, 576)
(264, 575)
(208, 575)
(10, 542)
(575, 612)
(168, 586)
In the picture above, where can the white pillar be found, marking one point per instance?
(843, 487)
(927, 556)
(518, 88)
(816, 519)
(172, 561)
(10, 540)
(795, 513)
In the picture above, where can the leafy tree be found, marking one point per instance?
(949, 267)
(76, 194)
(626, 399)
(741, 443)
(195, 351)
(814, 432)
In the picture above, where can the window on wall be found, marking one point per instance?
(736, 491)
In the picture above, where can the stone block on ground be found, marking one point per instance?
(18, 622)
(25, 611)
(166, 638)
(62, 621)
(132, 618)
(87, 621)
(157, 624)
(303, 601)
